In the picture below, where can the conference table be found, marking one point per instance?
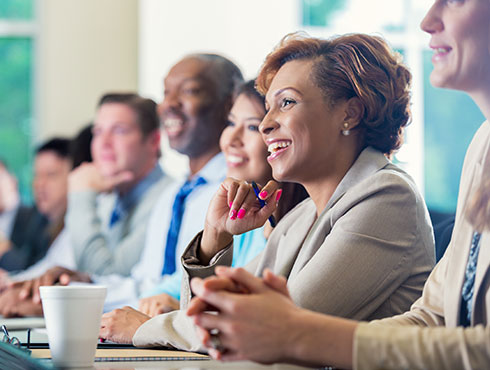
(113, 357)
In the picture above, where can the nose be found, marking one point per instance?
(106, 138)
(432, 21)
(102, 139)
(170, 100)
(38, 183)
(268, 124)
(236, 136)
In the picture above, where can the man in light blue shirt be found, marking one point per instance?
(110, 199)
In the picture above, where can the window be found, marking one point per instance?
(443, 121)
(450, 120)
(16, 80)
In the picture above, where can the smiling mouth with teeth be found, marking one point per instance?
(278, 146)
(233, 159)
(441, 50)
(173, 125)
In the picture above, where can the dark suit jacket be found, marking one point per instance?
(30, 239)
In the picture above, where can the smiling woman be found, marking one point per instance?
(362, 246)
(241, 142)
(447, 327)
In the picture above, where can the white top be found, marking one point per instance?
(148, 271)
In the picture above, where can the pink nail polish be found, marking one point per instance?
(263, 194)
(278, 196)
(231, 204)
(233, 214)
(241, 213)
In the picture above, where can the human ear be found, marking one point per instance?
(354, 110)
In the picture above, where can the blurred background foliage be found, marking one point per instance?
(16, 77)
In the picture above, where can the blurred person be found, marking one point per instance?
(110, 199)
(447, 328)
(44, 223)
(60, 252)
(246, 159)
(362, 245)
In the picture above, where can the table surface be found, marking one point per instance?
(37, 335)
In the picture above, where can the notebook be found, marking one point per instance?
(134, 354)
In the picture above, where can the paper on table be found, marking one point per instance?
(134, 354)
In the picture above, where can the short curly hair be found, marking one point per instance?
(353, 65)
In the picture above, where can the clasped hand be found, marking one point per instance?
(251, 315)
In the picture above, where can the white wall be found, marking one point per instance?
(85, 48)
(244, 31)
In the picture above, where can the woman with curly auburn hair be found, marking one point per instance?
(361, 246)
(351, 66)
(448, 326)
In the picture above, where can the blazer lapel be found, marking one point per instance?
(457, 265)
(287, 255)
(283, 248)
(482, 266)
(369, 161)
(463, 234)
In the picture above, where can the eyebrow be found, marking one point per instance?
(250, 118)
(278, 92)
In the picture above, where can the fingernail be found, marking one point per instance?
(278, 196)
(241, 213)
(263, 194)
(233, 214)
(231, 204)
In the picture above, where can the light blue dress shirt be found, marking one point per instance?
(245, 248)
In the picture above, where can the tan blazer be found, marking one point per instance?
(366, 256)
(447, 346)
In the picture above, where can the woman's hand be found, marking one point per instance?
(235, 210)
(255, 326)
(158, 304)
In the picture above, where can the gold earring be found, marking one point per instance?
(346, 131)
